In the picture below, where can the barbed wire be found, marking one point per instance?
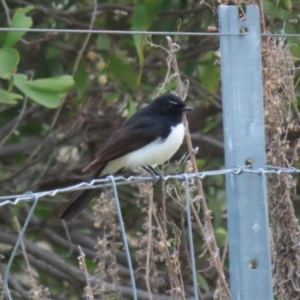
(114, 181)
(129, 32)
(121, 180)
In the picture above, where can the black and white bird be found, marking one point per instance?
(148, 138)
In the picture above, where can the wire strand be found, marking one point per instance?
(131, 32)
(12, 256)
(125, 32)
(121, 180)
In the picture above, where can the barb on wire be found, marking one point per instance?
(12, 256)
(121, 180)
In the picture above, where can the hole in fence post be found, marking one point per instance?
(249, 162)
(243, 29)
(253, 264)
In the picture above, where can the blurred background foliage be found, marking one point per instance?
(61, 100)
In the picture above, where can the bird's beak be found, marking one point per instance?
(187, 108)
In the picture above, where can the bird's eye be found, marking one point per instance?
(172, 105)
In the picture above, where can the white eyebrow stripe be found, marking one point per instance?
(174, 103)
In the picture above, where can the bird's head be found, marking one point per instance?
(170, 104)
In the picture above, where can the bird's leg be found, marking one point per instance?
(154, 173)
(157, 173)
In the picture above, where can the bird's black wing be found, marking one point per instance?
(132, 136)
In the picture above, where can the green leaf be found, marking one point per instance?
(202, 282)
(294, 42)
(47, 92)
(286, 4)
(8, 97)
(221, 236)
(209, 76)
(282, 12)
(60, 84)
(112, 97)
(103, 42)
(52, 52)
(142, 18)
(32, 128)
(81, 77)
(131, 107)
(9, 59)
(139, 21)
(19, 20)
(119, 69)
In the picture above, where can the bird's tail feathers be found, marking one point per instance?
(78, 201)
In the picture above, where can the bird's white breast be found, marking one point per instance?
(153, 154)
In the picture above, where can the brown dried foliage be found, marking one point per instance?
(107, 245)
(280, 112)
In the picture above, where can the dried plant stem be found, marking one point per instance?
(225, 252)
(149, 245)
(84, 45)
(24, 250)
(168, 257)
(83, 266)
(279, 96)
(178, 234)
(208, 237)
(259, 3)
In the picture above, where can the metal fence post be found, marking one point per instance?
(244, 139)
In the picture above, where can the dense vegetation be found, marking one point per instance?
(61, 97)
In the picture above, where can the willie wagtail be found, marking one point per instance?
(148, 138)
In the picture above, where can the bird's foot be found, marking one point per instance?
(157, 176)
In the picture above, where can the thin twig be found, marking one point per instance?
(67, 232)
(53, 265)
(13, 284)
(168, 256)
(260, 5)
(88, 36)
(225, 252)
(16, 124)
(83, 266)
(209, 238)
(6, 9)
(24, 250)
(46, 168)
(40, 40)
(178, 234)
